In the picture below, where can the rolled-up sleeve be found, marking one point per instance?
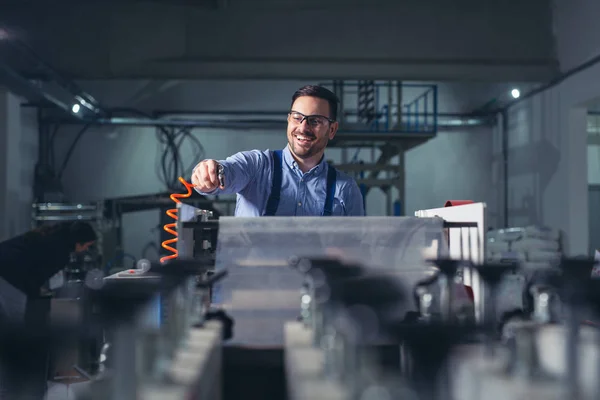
(239, 170)
(353, 200)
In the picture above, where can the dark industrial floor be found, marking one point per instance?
(253, 374)
(260, 373)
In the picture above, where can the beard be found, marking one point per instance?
(306, 148)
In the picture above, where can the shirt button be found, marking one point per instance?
(299, 204)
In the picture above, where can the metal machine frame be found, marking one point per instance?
(465, 228)
(466, 241)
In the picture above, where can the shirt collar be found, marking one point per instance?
(291, 162)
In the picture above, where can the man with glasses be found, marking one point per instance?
(295, 181)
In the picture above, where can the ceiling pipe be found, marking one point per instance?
(53, 89)
(220, 117)
(232, 122)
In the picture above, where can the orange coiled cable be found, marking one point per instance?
(171, 227)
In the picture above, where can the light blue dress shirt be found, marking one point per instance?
(249, 175)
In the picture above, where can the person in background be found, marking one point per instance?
(26, 262)
(295, 181)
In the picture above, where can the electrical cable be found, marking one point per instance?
(169, 164)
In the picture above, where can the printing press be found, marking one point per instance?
(356, 308)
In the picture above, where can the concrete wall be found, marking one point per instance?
(459, 165)
(593, 150)
(593, 154)
(18, 155)
(548, 158)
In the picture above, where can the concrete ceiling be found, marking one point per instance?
(464, 40)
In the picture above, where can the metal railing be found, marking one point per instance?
(399, 107)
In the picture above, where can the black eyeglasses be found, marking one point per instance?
(315, 121)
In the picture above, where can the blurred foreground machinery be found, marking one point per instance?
(157, 332)
(356, 307)
(541, 345)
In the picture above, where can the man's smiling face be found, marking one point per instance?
(308, 137)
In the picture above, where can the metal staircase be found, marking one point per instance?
(366, 102)
(386, 119)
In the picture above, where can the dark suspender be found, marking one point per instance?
(331, 178)
(273, 201)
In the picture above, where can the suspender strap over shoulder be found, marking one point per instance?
(275, 196)
(331, 180)
(273, 201)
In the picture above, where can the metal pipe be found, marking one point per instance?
(283, 113)
(505, 132)
(63, 94)
(23, 87)
(239, 124)
(555, 82)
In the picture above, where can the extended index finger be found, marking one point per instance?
(213, 173)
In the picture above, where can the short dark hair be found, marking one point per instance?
(82, 232)
(321, 93)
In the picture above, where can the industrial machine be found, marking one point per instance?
(548, 350)
(155, 332)
(164, 337)
(360, 307)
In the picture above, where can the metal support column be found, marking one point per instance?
(389, 206)
(401, 180)
(338, 87)
(390, 109)
(399, 105)
(338, 90)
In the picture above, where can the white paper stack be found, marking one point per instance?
(533, 246)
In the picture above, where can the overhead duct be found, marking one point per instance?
(19, 64)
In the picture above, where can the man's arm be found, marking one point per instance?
(238, 171)
(353, 200)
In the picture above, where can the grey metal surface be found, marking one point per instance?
(185, 237)
(262, 292)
